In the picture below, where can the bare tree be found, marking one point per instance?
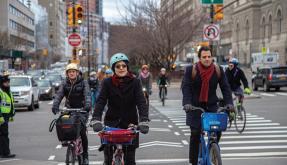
(158, 33)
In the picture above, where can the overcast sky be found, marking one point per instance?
(113, 9)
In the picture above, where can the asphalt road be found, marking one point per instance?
(264, 141)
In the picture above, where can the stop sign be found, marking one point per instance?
(74, 39)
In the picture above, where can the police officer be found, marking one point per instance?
(77, 93)
(7, 113)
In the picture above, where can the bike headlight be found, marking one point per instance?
(144, 89)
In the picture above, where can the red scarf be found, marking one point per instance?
(205, 75)
(117, 81)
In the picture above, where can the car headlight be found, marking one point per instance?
(47, 90)
(23, 93)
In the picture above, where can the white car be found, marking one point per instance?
(25, 92)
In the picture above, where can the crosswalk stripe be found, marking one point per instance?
(267, 94)
(254, 132)
(252, 142)
(260, 128)
(253, 147)
(260, 124)
(254, 136)
(246, 154)
(280, 93)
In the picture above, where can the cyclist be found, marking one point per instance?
(77, 93)
(94, 84)
(146, 78)
(234, 75)
(7, 113)
(199, 89)
(163, 80)
(126, 105)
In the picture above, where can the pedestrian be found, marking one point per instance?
(7, 113)
(199, 89)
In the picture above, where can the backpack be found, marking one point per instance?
(194, 71)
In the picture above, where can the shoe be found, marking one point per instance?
(9, 156)
(85, 159)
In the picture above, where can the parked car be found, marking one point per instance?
(25, 92)
(270, 77)
(47, 90)
(55, 79)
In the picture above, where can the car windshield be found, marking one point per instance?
(19, 81)
(280, 70)
(54, 77)
(43, 83)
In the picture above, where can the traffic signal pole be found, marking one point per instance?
(74, 55)
(211, 22)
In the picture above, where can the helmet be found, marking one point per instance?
(72, 66)
(118, 57)
(145, 66)
(234, 61)
(93, 73)
(102, 69)
(109, 71)
(162, 69)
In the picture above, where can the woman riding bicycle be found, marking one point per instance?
(234, 75)
(126, 105)
(77, 94)
(199, 89)
(146, 79)
(163, 80)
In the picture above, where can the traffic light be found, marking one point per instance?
(79, 14)
(70, 16)
(218, 12)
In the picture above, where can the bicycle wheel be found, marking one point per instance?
(118, 160)
(240, 119)
(163, 97)
(214, 154)
(70, 155)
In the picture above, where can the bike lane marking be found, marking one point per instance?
(52, 157)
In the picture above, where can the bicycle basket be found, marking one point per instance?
(68, 127)
(214, 121)
(117, 136)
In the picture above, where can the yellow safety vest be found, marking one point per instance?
(6, 102)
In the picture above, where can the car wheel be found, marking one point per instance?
(254, 87)
(277, 88)
(31, 107)
(37, 105)
(266, 87)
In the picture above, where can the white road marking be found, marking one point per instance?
(259, 124)
(252, 142)
(254, 136)
(9, 160)
(183, 127)
(253, 147)
(176, 133)
(59, 146)
(170, 126)
(50, 103)
(267, 94)
(180, 124)
(255, 132)
(184, 142)
(255, 154)
(280, 93)
(258, 121)
(155, 120)
(160, 129)
(52, 157)
(165, 121)
(260, 128)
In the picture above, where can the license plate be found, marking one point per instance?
(282, 78)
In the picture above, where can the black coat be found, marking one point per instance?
(234, 77)
(77, 95)
(126, 105)
(191, 91)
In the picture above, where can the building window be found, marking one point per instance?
(263, 28)
(247, 31)
(237, 31)
(270, 27)
(279, 22)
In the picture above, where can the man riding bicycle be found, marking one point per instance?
(234, 75)
(77, 93)
(162, 81)
(126, 105)
(199, 89)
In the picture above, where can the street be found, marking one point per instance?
(263, 141)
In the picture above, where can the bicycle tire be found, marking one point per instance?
(240, 126)
(163, 97)
(70, 156)
(214, 154)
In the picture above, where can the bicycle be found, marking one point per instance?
(117, 138)
(162, 89)
(239, 114)
(68, 127)
(212, 123)
(146, 95)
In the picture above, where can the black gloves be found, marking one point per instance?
(55, 110)
(230, 108)
(97, 125)
(143, 127)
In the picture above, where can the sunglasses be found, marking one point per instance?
(121, 66)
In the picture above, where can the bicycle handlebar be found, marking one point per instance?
(65, 109)
(220, 109)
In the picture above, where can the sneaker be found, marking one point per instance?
(9, 156)
(85, 159)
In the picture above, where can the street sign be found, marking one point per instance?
(212, 1)
(264, 50)
(74, 39)
(211, 32)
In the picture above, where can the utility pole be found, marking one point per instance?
(211, 22)
(88, 19)
(74, 55)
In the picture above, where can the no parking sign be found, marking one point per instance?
(211, 32)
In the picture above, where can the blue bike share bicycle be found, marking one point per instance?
(212, 124)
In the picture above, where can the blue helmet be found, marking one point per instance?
(234, 61)
(118, 57)
(109, 71)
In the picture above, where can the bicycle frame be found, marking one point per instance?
(203, 156)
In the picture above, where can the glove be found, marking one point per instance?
(2, 120)
(143, 127)
(187, 107)
(97, 125)
(247, 91)
(232, 115)
(11, 119)
(230, 108)
(55, 110)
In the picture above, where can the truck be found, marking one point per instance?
(264, 60)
